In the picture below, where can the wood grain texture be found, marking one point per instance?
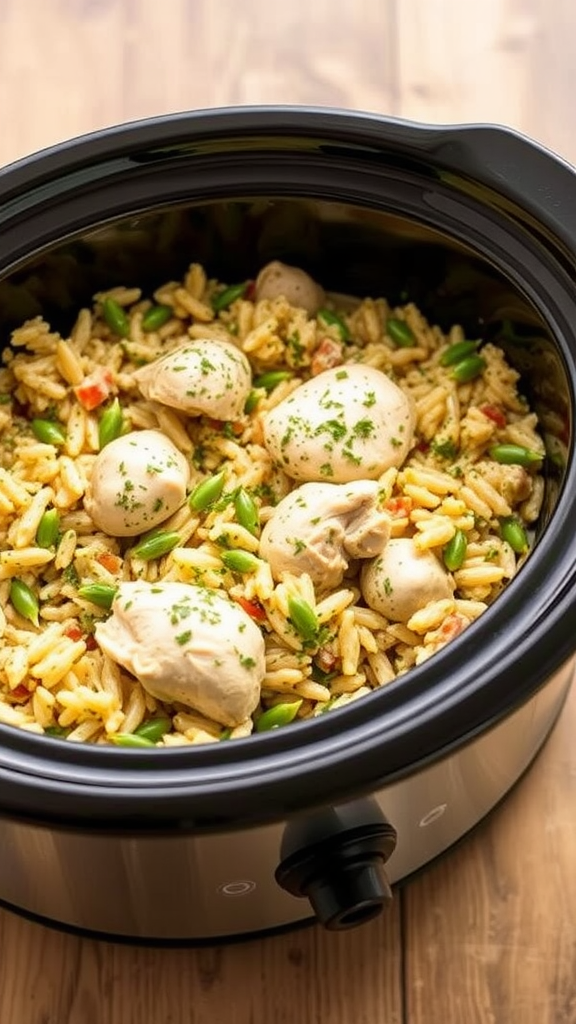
(47, 977)
(491, 930)
(486, 936)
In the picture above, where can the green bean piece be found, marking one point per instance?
(110, 424)
(225, 734)
(270, 380)
(101, 594)
(401, 334)
(48, 431)
(48, 529)
(253, 399)
(454, 552)
(303, 617)
(229, 295)
(246, 511)
(239, 560)
(333, 320)
(458, 351)
(130, 739)
(514, 455)
(512, 531)
(24, 600)
(57, 731)
(280, 714)
(116, 317)
(155, 317)
(156, 546)
(468, 369)
(207, 492)
(154, 729)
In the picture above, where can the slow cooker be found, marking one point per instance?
(320, 818)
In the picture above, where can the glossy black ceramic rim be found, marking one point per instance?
(523, 217)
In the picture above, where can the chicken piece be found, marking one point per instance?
(318, 528)
(189, 645)
(137, 482)
(402, 580)
(202, 378)
(295, 285)
(349, 423)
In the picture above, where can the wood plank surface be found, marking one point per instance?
(491, 929)
(487, 935)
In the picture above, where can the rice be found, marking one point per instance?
(54, 679)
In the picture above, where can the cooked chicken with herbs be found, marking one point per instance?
(137, 482)
(206, 377)
(187, 644)
(319, 528)
(348, 423)
(402, 580)
(278, 279)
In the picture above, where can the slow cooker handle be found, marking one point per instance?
(520, 169)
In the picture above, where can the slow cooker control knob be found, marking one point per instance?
(341, 872)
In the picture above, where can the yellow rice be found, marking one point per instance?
(54, 679)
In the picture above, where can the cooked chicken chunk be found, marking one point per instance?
(318, 528)
(189, 645)
(206, 377)
(295, 285)
(348, 423)
(137, 482)
(402, 580)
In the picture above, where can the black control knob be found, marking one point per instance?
(337, 860)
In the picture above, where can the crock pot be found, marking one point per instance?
(479, 225)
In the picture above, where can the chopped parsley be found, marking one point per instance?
(363, 428)
(444, 449)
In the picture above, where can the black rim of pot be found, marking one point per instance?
(457, 694)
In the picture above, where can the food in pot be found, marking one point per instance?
(348, 423)
(279, 281)
(187, 645)
(137, 481)
(226, 508)
(404, 579)
(206, 377)
(318, 529)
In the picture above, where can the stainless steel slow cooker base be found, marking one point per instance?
(170, 887)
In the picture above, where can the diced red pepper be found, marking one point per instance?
(95, 389)
(20, 693)
(250, 293)
(451, 628)
(225, 427)
(399, 507)
(494, 413)
(329, 353)
(109, 561)
(253, 608)
(74, 633)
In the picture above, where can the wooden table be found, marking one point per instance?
(488, 935)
